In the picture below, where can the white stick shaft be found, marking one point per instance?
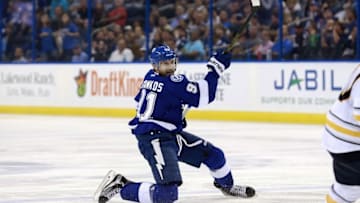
(186, 108)
(255, 3)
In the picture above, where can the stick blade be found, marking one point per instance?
(255, 3)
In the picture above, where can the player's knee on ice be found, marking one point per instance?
(164, 193)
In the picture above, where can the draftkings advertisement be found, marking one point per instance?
(310, 87)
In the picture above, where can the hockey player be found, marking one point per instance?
(158, 127)
(341, 138)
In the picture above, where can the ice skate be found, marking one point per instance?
(236, 190)
(110, 186)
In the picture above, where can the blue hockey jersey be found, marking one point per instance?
(160, 100)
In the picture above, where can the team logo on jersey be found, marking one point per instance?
(176, 78)
(81, 83)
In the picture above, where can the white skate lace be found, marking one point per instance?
(113, 191)
(236, 190)
(113, 187)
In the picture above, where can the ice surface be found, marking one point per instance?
(63, 159)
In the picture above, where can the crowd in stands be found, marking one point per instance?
(311, 30)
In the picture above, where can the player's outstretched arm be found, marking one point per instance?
(201, 92)
(217, 64)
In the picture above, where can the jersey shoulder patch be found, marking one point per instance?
(176, 78)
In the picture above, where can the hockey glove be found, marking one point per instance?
(219, 62)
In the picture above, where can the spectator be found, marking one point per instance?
(263, 50)
(198, 21)
(341, 14)
(239, 50)
(234, 7)
(18, 35)
(80, 17)
(332, 40)
(111, 40)
(19, 56)
(117, 14)
(44, 5)
(224, 19)
(156, 39)
(274, 26)
(287, 45)
(47, 43)
(99, 15)
(171, 43)
(81, 10)
(79, 56)
(194, 49)
(122, 53)
(56, 21)
(313, 11)
(181, 39)
(312, 44)
(340, 39)
(138, 42)
(299, 42)
(235, 23)
(220, 40)
(164, 23)
(101, 52)
(350, 46)
(139, 36)
(350, 32)
(64, 4)
(21, 12)
(180, 14)
(69, 37)
(253, 39)
(169, 19)
(293, 7)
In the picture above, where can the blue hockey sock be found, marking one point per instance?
(226, 181)
(216, 159)
(130, 192)
(219, 168)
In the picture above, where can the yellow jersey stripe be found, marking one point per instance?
(357, 117)
(342, 129)
(329, 199)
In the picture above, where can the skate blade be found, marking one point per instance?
(107, 179)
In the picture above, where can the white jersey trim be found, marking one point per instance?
(132, 127)
(204, 92)
(356, 103)
(163, 124)
(335, 144)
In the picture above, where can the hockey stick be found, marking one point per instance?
(255, 4)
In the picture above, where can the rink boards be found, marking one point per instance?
(271, 92)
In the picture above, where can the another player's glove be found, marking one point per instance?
(219, 62)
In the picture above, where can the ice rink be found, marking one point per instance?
(63, 159)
